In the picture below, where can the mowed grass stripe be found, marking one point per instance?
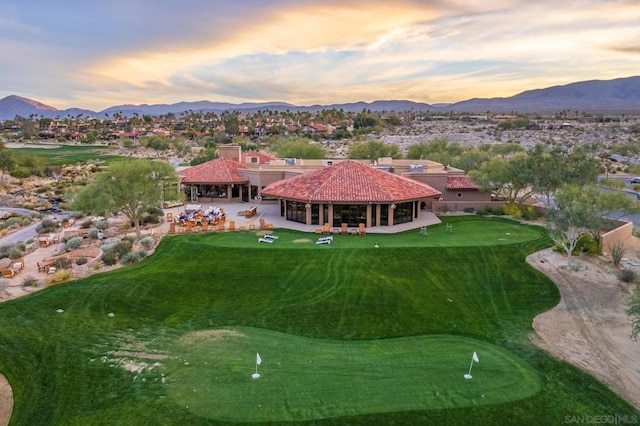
(306, 379)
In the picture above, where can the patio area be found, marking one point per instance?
(270, 214)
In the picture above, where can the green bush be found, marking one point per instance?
(612, 183)
(93, 233)
(46, 226)
(122, 248)
(132, 257)
(109, 258)
(469, 209)
(530, 213)
(102, 225)
(86, 224)
(512, 210)
(588, 245)
(81, 261)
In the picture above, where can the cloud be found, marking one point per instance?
(307, 51)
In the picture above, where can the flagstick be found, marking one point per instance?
(468, 375)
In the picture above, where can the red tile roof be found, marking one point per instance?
(215, 171)
(350, 181)
(461, 182)
(262, 157)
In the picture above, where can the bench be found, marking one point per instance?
(251, 212)
(265, 240)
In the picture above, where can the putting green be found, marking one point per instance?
(209, 373)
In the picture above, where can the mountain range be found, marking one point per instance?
(620, 95)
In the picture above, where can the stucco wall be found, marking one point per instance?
(622, 233)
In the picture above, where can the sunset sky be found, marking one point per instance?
(95, 54)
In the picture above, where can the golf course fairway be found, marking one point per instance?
(209, 373)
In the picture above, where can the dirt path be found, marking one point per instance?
(589, 327)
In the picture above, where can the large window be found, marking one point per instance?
(384, 215)
(403, 213)
(315, 214)
(296, 212)
(352, 215)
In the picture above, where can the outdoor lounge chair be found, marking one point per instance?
(344, 228)
(325, 230)
(8, 273)
(324, 240)
(265, 240)
(362, 229)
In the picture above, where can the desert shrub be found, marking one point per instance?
(30, 281)
(93, 233)
(62, 263)
(59, 277)
(617, 251)
(73, 243)
(122, 248)
(12, 221)
(110, 243)
(512, 210)
(132, 257)
(147, 242)
(469, 209)
(86, 224)
(530, 213)
(627, 275)
(109, 258)
(497, 211)
(46, 226)
(102, 225)
(588, 245)
(15, 252)
(483, 211)
(81, 261)
(612, 183)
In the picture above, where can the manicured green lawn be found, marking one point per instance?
(348, 334)
(68, 154)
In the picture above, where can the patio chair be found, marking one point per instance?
(189, 226)
(8, 273)
(232, 225)
(344, 229)
(354, 231)
(362, 228)
(41, 267)
(325, 229)
(263, 224)
(205, 225)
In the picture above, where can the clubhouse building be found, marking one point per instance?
(383, 193)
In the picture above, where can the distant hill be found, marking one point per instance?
(621, 95)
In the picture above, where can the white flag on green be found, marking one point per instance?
(259, 360)
(475, 357)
